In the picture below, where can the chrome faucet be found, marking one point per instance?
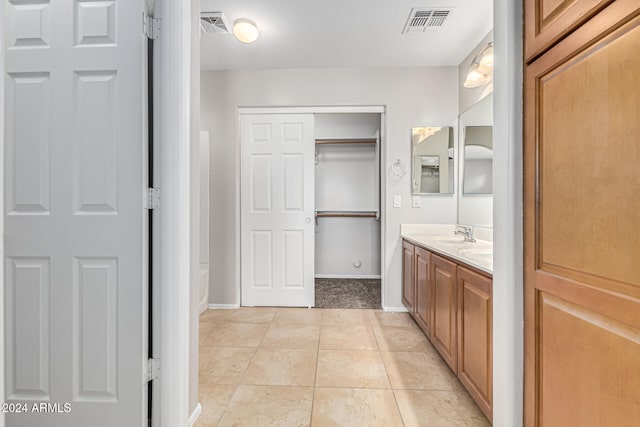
(466, 231)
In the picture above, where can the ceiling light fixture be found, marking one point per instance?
(481, 69)
(245, 30)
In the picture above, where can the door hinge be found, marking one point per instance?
(151, 370)
(150, 26)
(151, 198)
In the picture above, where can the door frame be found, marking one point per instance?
(173, 107)
(2, 171)
(376, 109)
(508, 303)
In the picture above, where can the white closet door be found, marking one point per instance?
(73, 213)
(277, 226)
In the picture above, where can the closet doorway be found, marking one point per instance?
(311, 219)
(347, 210)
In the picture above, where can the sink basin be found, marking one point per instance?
(477, 254)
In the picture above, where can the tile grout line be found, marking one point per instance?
(393, 391)
(395, 399)
(315, 377)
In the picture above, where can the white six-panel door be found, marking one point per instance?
(277, 202)
(73, 212)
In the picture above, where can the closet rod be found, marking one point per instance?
(347, 141)
(347, 214)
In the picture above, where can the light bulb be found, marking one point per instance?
(245, 30)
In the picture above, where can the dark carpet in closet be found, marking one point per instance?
(348, 293)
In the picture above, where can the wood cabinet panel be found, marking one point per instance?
(582, 186)
(547, 21)
(444, 327)
(588, 373)
(423, 302)
(408, 285)
(475, 354)
(588, 159)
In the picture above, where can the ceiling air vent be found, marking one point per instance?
(427, 20)
(214, 22)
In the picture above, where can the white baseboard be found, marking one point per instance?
(223, 306)
(195, 415)
(402, 309)
(348, 276)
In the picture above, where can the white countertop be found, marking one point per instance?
(440, 239)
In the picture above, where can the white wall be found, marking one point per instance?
(346, 125)
(345, 178)
(412, 97)
(341, 241)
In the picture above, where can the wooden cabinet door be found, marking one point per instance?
(443, 328)
(475, 313)
(547, 21)
(424, 287)
(582, 215)
(408, 286)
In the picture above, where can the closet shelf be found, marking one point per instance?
(370, 141)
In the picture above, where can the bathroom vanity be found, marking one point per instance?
(447, 288)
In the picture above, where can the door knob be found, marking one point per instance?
(307, 220)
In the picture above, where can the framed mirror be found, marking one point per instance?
(432, 165)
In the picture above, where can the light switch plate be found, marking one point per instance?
(415, 202)
(397, 201)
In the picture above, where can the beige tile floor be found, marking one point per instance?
(323, 367)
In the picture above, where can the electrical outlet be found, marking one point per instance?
(415, 202)
(397, 201)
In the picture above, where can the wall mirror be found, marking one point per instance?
(476, 134)
(432, 170)
(478, 160)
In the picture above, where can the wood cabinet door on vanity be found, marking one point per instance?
(475, 322)
(547, 21)
(408, 287)
(444, 326)
(582, 216)
(423, 302)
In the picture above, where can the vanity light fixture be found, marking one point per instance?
(481, 69)
(245, 30)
